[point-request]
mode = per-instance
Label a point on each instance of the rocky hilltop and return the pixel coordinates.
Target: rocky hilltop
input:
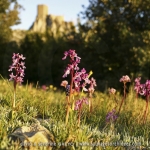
(44, 22)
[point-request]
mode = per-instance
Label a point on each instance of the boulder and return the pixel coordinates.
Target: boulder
(33, 137)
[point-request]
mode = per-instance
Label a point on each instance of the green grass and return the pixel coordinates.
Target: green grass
(34, 103)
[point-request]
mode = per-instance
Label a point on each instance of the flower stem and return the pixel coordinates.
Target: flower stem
(136, 97)
(69, 98)
(116, 101)
(68, 108)
(89, 105)
(146, 109)
(123, 98)
(90, 102)
(121, 105)
(14, 99)
(79, 116)
(71, 84)
(124, 90)
(73, 102)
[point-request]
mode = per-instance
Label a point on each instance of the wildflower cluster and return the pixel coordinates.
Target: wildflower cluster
(142, 89)
(111, 116)
(112, 91)
(137, 84)
(80, 102)
(92, 85)
(64, 83)
(80, 78)
(79, 81)
(74, 59)
(125, 79)
(18, 67)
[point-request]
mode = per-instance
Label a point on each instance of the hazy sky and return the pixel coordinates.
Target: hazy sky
(68, 8)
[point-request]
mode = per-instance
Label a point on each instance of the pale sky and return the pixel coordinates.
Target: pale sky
(67, 8)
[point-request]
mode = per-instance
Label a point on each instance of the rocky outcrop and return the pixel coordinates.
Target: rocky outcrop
(33, 137)
(44, 21)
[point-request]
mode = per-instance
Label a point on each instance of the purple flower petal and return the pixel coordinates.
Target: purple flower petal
(18, 67)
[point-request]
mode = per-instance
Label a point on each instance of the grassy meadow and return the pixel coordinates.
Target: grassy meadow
(49, 105)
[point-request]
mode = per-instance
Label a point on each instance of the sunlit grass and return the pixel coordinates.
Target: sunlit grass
(50, 105)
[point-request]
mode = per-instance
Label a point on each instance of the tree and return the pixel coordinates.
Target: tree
(31, 47)
(9, 10)
(117, 35)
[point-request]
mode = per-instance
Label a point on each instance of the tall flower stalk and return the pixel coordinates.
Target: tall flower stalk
(111, 116)
(17, 74)
(146, 110)
(78, 81)
(91, 91)
(124, 79)
(112, 92)
(78, 106)
(71, 85)
(74, 61)
(67, 87)
(144, 90)
(137, 86)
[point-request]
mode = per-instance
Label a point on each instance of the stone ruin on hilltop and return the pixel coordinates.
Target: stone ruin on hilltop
(45, 21)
